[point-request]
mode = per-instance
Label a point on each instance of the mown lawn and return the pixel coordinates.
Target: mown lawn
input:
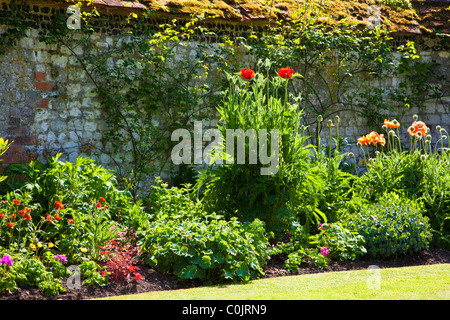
(431, 282)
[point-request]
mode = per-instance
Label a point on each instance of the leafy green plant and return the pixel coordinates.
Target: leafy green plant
(420, 172)
(4, 146)
(74, 184)
(32, 272)
(436, 196)
(196, 245)
(273, 192)
(392, 226)
(93, 274)
(149, 90)
(342, 243)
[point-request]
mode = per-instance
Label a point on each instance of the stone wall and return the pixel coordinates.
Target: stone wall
(48, 103)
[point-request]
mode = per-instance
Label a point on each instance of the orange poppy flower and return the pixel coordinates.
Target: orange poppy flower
(377, 138)
(418, 126)
(363, 140)
(373, 138)
(391, 124)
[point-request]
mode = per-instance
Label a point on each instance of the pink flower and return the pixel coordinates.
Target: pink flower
(324, 251)
(6, 260)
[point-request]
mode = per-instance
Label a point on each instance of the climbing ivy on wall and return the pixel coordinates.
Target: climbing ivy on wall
(149, 84)
(15, 25)
(345, 67)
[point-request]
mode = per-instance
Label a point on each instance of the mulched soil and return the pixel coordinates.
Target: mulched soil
(155, 281)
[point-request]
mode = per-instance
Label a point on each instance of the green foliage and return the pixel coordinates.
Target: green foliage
(393, 172)
(420, 173)
(94, 209)
(4, 146)
(337, 61)
(436, 196)
(392, 226)
(342, 243)
(32, 272)
(274, 191)
(74, 184)
(15, 28)
(93, 274)
(328, 166)
(195, 245)
(154, 86)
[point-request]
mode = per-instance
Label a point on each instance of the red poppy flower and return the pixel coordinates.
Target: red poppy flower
(286, 73)
(102, 199)
(28, 209)
(16, 202)
(247, 74)
(22, 212)
(57, 217)
(59, 205)
(13, 216)
(48, 217)
(70, 221)
(98, 204)
(2, 215)
(10, 224)
(27, 217)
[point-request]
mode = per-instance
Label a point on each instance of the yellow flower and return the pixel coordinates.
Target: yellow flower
(39, 245)
(32, 246)
(51, 245)
(84, 250)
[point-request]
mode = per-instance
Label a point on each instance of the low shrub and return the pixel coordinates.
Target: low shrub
(341, 243)
(93, 274)
(207, 248)
(392, 226)
(121, 254)
(31, 271)
(192, 244)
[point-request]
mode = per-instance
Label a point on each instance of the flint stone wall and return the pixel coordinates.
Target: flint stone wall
(48, 104)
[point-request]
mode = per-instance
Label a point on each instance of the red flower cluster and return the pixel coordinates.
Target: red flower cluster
(122, 255)
(59, 205)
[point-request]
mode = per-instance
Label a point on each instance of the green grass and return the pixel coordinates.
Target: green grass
(423, 282)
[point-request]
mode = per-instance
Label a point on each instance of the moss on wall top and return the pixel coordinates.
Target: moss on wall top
(402, 16)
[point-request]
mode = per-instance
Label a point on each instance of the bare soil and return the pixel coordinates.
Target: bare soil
(153, 280)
